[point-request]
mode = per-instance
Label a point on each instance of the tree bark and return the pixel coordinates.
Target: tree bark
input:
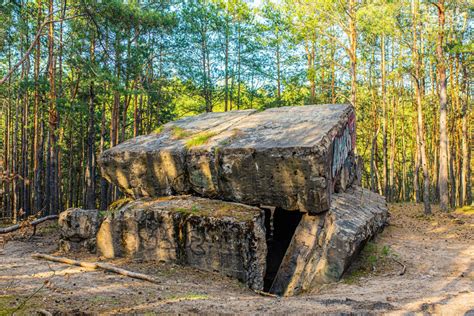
(420, 126)
(226, 66)
(384, 124)
(443, 112)
(353, 51)
(465, 173)
(90, 166)
(37, 193)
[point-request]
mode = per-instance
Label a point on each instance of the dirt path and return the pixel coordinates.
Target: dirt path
(438, 253)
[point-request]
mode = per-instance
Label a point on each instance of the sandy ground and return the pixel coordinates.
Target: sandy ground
(437, 251)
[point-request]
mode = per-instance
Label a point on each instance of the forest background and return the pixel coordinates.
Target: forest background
(80, 76)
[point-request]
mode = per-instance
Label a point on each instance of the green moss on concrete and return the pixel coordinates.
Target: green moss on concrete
(200, 139)
(118, 204)
(180, 133)
(195, 210)
(159, 130)
(216, 209)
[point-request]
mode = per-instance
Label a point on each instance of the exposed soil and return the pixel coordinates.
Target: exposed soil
(437, 253)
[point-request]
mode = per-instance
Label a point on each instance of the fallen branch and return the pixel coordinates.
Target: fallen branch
(404, 268)
(262, 293)
(12, 228)
(96, 265)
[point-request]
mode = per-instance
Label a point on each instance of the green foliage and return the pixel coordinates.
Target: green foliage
(143, 64)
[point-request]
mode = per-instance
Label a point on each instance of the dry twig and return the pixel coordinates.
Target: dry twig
(404, 268)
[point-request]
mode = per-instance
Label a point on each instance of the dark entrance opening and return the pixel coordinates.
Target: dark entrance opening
(280, 226)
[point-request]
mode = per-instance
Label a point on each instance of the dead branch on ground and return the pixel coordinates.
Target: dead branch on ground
(262, 293)
(15, 227)
(97, 265)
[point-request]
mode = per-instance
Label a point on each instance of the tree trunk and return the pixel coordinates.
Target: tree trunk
(37, 192)
(226, 67)
(443, 112)
(238, 68)
(416, 183)
(465, 173)
(384, 124)
(421, 134)
(104, 185)
(90, 166)
(353, 51)
(53, 120)
(278, 73)
(391, 189)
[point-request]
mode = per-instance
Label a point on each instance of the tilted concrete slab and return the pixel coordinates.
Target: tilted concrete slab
(323, 246)
(293, 158)
(206, 234)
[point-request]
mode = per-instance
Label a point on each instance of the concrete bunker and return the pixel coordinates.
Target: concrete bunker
(197, 184)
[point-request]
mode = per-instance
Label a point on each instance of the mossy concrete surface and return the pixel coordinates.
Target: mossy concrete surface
(293, 158)
(207, 234)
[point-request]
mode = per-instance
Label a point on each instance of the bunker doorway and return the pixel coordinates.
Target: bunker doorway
(280, 227)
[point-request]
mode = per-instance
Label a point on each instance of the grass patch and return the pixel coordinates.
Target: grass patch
(188, 297)
(373, 258)
(17, 305)
(199, 139)
(8, 305)
(355, 276)
(218, 209)
(115, 206)
(466, 210)
(180, 133)
(50, 228)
